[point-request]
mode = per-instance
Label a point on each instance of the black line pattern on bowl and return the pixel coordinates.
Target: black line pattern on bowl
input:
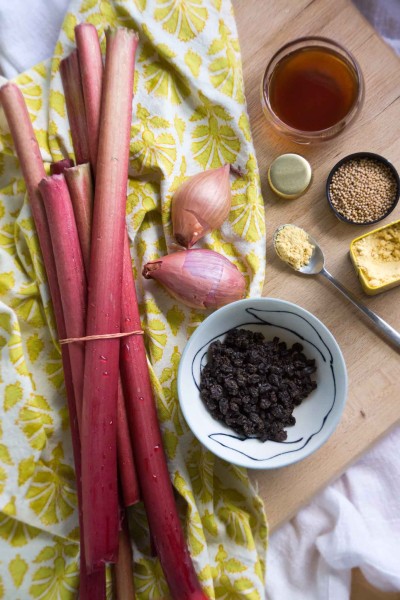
(259, 320)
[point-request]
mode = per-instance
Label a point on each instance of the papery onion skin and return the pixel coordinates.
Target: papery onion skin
(201, 204)
(199, 278)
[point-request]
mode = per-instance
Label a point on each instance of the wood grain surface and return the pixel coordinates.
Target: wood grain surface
(362, 590)
(373, 404)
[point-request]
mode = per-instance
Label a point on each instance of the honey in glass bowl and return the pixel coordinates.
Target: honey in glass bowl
(312, 89)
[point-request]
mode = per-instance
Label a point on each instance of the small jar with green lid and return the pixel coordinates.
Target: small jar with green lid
(289, 176)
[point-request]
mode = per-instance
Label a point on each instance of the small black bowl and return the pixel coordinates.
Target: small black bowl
(349, 158)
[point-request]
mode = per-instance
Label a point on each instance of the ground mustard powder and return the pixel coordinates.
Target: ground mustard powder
(293, 246)
(378, 255)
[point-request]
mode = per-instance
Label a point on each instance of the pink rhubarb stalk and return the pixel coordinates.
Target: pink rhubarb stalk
(150, 460)
(123, 570)
(91, 65)
(79, 180)
(31, 164)
(126, 465)
(71, 80)
(58, 167)
(92, 587)
(70, 272)
(99, 436)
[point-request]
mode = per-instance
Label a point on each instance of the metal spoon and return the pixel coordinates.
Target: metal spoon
(316, 266)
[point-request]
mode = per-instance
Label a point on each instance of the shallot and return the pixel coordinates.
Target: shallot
(199, 278)
(201, 204)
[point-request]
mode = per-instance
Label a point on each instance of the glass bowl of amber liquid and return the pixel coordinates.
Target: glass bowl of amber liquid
(312, 89)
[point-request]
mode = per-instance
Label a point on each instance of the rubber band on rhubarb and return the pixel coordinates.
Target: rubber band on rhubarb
(104, 336)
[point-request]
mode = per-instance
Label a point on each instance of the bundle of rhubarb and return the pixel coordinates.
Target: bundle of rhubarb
(79, 214)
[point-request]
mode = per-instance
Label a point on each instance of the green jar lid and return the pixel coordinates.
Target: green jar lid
(289, 175)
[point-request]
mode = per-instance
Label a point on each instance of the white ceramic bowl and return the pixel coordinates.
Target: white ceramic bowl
(316, 417)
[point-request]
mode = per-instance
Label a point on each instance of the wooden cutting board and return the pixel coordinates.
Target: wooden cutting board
(373, 404)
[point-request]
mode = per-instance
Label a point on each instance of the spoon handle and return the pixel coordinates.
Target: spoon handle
(387, 329)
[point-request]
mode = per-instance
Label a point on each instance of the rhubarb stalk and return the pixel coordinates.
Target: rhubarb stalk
(126, 465)
(79, 180)
(31, 164)
(124, 585)
(91, 66)
(99, 436)
(70, 272)
(150, 460)
(58, 167)
(92, 587)
(71, 80)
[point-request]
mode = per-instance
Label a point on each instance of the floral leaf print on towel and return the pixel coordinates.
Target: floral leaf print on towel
(215, 143)
(150, 147)
(52, 494)
(184, 18)
(58, 575)
(36, 421)
(225, 72)
(161, 80)
(247, 212)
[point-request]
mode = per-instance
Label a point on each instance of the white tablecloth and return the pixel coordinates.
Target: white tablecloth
(355, 522)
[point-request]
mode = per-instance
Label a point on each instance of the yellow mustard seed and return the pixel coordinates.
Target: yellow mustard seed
(363, 190)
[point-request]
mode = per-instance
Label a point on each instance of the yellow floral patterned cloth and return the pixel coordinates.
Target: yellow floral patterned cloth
(189, 115)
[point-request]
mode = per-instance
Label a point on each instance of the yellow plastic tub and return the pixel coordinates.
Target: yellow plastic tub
(381, 248)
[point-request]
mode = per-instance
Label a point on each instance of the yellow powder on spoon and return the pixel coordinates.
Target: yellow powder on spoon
(293, 246)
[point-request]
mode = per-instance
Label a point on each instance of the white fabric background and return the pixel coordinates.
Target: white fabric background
(355, 522)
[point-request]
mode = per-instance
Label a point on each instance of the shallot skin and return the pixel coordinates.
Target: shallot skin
(199, 278)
